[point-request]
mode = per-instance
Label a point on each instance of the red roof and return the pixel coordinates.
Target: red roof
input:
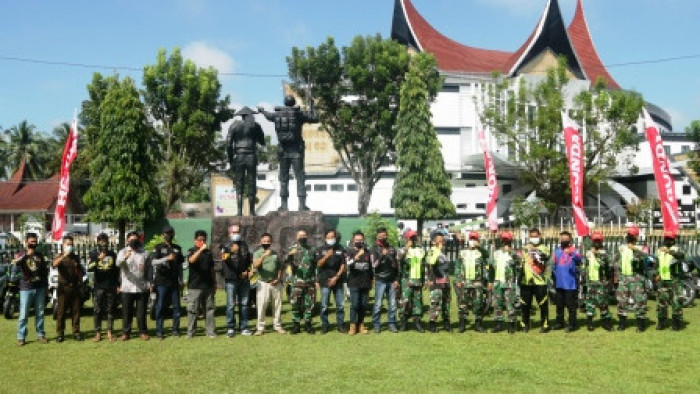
(17, 194)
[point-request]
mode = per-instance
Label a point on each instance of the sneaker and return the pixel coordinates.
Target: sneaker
(144, 337)
(246, 333)
(60, 338)
(280, 330)
(21, 342)
(78, 337)
(392, 328)
(211, 335)
(42, 340)
(230, 333)
(176, 334)
(259, 333)
(160, 337)
(189, 336)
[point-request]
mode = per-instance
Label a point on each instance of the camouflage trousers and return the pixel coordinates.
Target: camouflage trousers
(597, 298)
(440, 298)
(411, 300)
(631, 296)
(670, 293)
(302, 300)
(504, 301)
(470, 296)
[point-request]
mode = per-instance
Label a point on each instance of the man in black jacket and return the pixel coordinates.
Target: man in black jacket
(330, 262)
(30, 271)
(70, 277)
(167, 262)
(386, 280)
(201, 285)
(102, 261)
(236, 258)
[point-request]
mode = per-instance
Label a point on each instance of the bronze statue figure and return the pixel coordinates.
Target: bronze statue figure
(241, 147)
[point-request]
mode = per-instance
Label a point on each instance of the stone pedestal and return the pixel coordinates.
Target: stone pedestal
(283, 227)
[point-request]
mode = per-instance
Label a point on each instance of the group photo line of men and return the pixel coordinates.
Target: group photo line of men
(507, 280)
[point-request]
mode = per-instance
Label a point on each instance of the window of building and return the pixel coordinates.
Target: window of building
(686, 190)
(507, 188)
(337, 188)
(352, 187)
(667, 149)
(685, 148)
(308, 188)
(262, 177)
(462, 206)
(480, 206)
(450, 88)
(320, 188)
(470, 185)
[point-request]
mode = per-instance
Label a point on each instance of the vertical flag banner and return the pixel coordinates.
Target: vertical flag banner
(575, 155)
(491, 180)
(70, 151)
(662, 173)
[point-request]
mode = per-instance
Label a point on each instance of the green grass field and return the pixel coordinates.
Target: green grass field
(655, 361)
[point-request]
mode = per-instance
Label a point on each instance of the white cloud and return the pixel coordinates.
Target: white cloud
(205, 55)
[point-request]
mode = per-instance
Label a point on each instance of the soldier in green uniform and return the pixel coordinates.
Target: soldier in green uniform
(412, 261)
(506, 266)
(631, 296)
(439, 284)
(669, 259)
(472, 273)
(598, 271)
(301, 260)
(533, 282)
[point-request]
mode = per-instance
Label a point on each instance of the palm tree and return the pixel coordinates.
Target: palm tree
(3, 158)
(28, 144)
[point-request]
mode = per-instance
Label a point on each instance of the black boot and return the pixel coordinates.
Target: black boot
(662, 323)
(589, 323)
(309, 329)
(462, 324)
(324, 329)
(446, 325)
(417, 324)
(677, 323)
(239, 203)
(432, 327)
(607, 324)
(283, 205)
(302, 204)
(296, 329)
(511, 327)
(251, 205)
(525, 325)
(498, 327)
(573, 326)
(559, 325)
(403, 323)
(641, 324)
(622, 324)
(478, 327)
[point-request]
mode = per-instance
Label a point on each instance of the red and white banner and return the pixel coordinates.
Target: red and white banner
(491, 181)
(662, 173)
(70, 151)
(575, 154)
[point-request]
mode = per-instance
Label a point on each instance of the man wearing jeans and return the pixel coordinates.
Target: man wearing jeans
(359, 268)
(167, 264)
(135, 267)
(201, 285)
(330, 262)
(236, 264)
(31, 271)
(386, 280)
(269, 268)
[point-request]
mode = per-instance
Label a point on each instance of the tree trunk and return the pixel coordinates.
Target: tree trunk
(364, 196)
(419, 229)
(121, 227)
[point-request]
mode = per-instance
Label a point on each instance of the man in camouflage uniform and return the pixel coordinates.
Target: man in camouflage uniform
(439, 284)
(412, 261)
(472, 273)
(533, 282)
(301, 260)
(506, 266)
(669, 259)
(597, 270)
(631, 282)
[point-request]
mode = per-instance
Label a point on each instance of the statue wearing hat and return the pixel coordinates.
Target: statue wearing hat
(241, 147)
(289, 121)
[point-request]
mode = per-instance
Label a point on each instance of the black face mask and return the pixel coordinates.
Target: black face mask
(669, 242)
(382, 241)
(168, 238)
(303, 241)
(631, 239)
(101, 247)
(265, 246)
(598, 245)
(134, 244)
(31, 246)
(359, 244)
(565, 244)
(506, 243)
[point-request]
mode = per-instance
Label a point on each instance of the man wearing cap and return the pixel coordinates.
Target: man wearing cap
(473, 272)
(236, 258)
(103, 263)
(669, 259)
(533, 282)
(412, 259)
(567, 261)
(598, 271)
(167, 265)
(241, 147)
(631, 282)
(439, 284)
(506, 265)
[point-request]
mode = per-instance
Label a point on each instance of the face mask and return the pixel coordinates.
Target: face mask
(168, 238)
(235, 237)
(631, 239)
(303, 241)
(506, 243)
(359, 244)
(31, 246)
(472, 243)
(669, 242)
(535, 241)
(330, 242)
(68, 249)
(598, 245)
(265, 246)
(565, 244)
(134, 244)
(382, 241)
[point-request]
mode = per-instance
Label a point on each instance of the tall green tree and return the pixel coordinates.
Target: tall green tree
(4, 152)
(422, 189)
(357, 95)
(24, 142)
(185, 108)
(526, 118)
(693, 132)
(123, 188)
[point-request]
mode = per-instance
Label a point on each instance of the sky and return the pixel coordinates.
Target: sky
(251, 39)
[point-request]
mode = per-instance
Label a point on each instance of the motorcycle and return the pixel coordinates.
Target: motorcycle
(690, 280)
(10, 295)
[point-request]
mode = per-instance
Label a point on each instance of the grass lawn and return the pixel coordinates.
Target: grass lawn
(655, 361)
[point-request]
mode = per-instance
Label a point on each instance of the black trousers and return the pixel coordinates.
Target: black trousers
(68, 297)
(128, 301)
(104, 302)
(297, 164)
(568, 299)
(246, 174)
(539, 292)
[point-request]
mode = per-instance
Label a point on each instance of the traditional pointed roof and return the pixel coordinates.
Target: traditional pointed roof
(19, 195)
(574, 42)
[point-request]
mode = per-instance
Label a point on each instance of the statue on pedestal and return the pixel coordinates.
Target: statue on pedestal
(241, 147)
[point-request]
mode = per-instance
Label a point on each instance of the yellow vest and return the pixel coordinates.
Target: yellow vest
(415, 262)
(665, 260)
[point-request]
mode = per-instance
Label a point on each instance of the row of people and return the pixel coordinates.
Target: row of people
(399, 276)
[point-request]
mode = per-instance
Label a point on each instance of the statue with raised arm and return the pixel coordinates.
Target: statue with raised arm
(289, 121)
(241, 147)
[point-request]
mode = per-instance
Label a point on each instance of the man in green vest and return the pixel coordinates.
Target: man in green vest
(533, 282)
(597, 270)
(506, 265)
(631, 296)
(439, 284)
(472, 273)
(412, 260)
(669, 257)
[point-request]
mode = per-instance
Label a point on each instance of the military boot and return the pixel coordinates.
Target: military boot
(677, 323)
(589, 323)
(309, 329)
(622, 324)
(462, 324)
(498, 327)
(525, 326)
(662, 323)
(446, 325)
(239, 202)
(402, 325)
(607, 324)
(353, 329)
(283, 205)
(251, 205)
(296, 329)
(641, 324)
(431, 326)
(511, 327)
(417, 324)
(478, 327)
(302, 204)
